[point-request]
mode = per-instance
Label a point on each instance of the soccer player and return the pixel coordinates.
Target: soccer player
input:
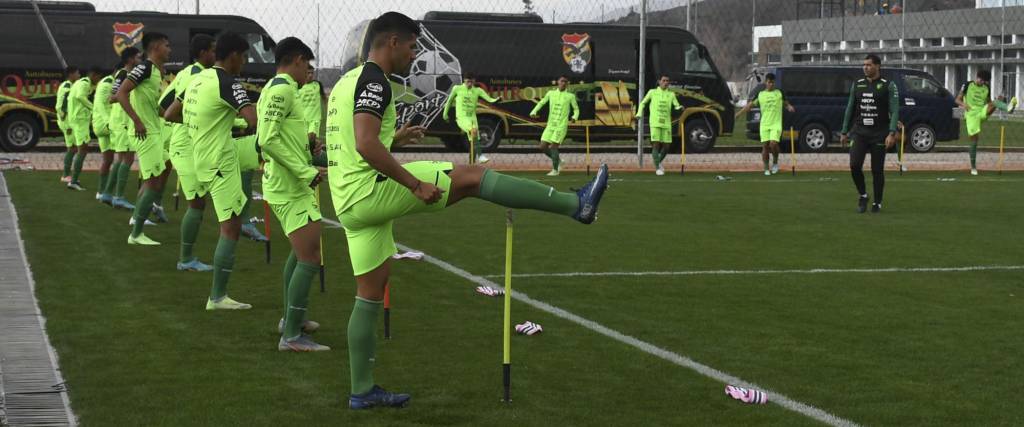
(370, 189)
(771, 100)
(874, 111)
(201, 49)
(101, 127)
(561, 101)
(71, 74)
(289, 182)
(311, 95)
(465, 97)
(119, 135)
(79, 120)
(248, 164)
(208, 107)
(662, 101)
(975, 98)
(139, 96)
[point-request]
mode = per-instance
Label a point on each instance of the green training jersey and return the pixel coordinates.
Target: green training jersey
(209, 107)
(465, 100)
(79, 105)
(363, 90)
(662, 102)
(101, 102)
(558, 111)
(281, 132)
(147, 77)
(117, 115)
(178, 135)
(61, 107)
(311, 98)
(771, 103)
(975, 95)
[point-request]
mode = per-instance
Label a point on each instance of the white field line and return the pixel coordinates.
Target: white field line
(757, 272)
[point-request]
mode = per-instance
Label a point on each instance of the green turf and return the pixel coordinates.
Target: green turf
(876, 348)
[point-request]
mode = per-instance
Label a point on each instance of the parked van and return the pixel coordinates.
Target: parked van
(820, 95)
(30, 70)
(519, 57)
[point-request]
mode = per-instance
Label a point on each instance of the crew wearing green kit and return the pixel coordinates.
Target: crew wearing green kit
(771, 100)
(562, 105)
(975, 98)
(662, 101)
(71, 74)
(79, 120)
(119, 135)
(101, 127)
(465, 98)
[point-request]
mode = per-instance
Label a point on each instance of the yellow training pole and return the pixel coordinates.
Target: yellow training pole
(588, 151)
(1002, 141)
(682, 147)
(322, 275)
(472, 148)
(507, 351)
(792, 148)
(903, 138)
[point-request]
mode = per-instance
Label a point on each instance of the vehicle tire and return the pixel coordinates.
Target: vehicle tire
(19, 132)
(921, 138)
(491, 132)
(700, 135)
(814, 138)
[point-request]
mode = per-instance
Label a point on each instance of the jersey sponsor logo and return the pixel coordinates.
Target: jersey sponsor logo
(374, 87)
(363, 102)
(239, 93)
(373, 96)
(126, 34)
(576, 51)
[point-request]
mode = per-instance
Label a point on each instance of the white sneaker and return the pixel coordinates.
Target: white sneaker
(974, 172)
(554, 172)
(131, 221)
(482, 159)
(775, 169)
(767, 172)
(659, 171)
(98, 196)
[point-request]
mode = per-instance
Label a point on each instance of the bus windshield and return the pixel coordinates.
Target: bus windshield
(261, 48)
(694, 61)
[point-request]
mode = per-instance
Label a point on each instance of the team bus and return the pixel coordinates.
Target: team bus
(519, 57)
(30, 70)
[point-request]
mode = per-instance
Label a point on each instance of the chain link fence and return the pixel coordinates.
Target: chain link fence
(523, 46)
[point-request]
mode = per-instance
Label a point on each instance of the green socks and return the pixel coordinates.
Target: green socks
(223, 262)
(189, 231)
(656, 156)
(362, 343)
(69, 156)
(555, 158)
(513, 192)
(77, 171)
(974, 155)
(122, 179)
(247, 190)
(115, 168)
(103, 183)
(142, 210)
(298, 298)
(289, 269)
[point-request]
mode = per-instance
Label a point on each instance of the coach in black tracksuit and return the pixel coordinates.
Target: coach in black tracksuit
(874, 112)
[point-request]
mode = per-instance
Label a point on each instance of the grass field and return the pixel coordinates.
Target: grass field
(898, 347)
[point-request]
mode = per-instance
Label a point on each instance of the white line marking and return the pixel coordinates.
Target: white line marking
(777, 398)
(806, 271)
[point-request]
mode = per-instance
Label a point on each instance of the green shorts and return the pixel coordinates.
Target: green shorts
(663, 135)
(296, 213)
(368, 222)
(466, 123)
(151, 154)
(248, 158)
(771, 134)
(102, 132)
(80, 134)
(184, 166)
(974, 119)
(554, 135)
(227, 195)
(119, 139)
(69, 136)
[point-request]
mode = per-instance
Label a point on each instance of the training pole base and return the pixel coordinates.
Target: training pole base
(387, 323)
(506, 374)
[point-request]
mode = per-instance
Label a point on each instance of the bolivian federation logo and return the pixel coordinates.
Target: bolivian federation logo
(576, 51)
(126, 34)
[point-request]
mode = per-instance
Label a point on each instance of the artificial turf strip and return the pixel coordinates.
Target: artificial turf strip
(137, 347)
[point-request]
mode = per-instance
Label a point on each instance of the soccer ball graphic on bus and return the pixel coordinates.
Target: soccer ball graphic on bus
(432, 75)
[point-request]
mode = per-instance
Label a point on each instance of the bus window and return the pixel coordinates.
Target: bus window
(261, 48)
(694, 60)
(351, 49)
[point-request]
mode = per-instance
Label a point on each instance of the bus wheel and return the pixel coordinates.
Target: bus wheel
(922, 138)
(19, 132)
(490, 132)
(700, 135)
(814, 138)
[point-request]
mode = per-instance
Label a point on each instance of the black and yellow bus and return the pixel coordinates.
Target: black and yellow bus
(519, 57)
(30, 70)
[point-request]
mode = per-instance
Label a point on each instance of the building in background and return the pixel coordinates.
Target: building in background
(952, 45)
